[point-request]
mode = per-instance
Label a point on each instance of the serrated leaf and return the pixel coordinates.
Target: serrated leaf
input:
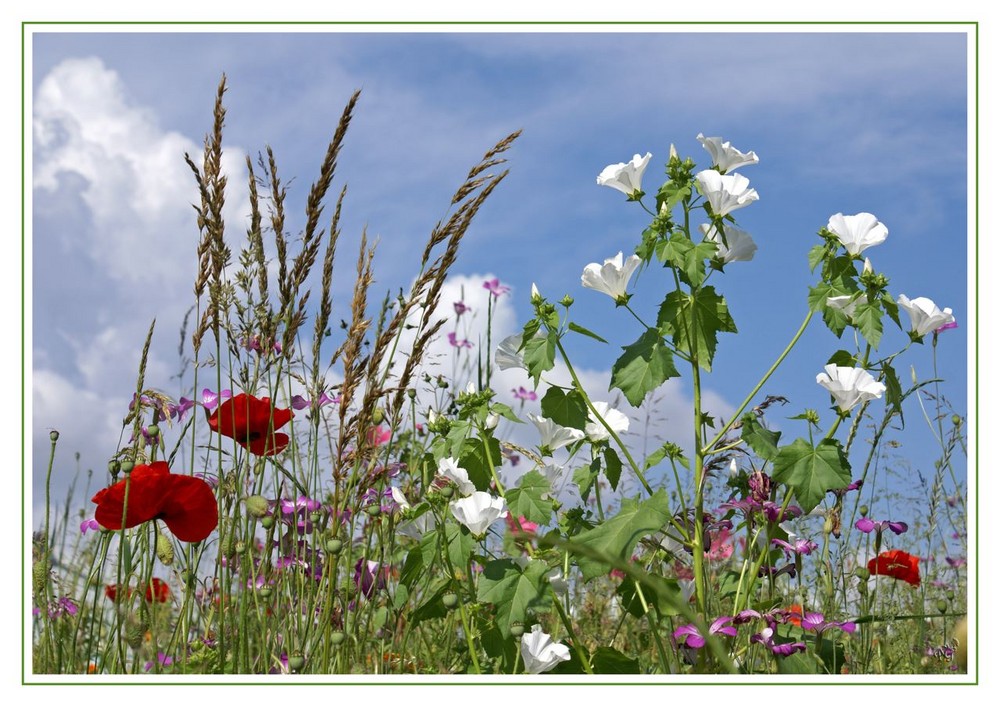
(618, 536)
(474, 459)
(566, 409)
(811, 471)
(761, 440)
(893, 390)
(644, 367)
(531, 498)
(843, 358)
(707, 310)
(512, 590)
(671, 194)
(612, 467)
(539, 354)
(816, 255)
(687, 257)
(573, 326)
(585, 477)
(459, 545)
(891, 308)
(868, 319)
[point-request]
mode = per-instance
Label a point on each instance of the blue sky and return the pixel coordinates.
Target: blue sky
(842, 122)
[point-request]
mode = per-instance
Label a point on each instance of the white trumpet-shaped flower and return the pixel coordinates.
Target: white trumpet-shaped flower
(739, 246)
(857, 232)
(626, 177)
(724, 155)
(725, 192)
(540, 652)
(925, 316)
(612, 277)
(849, 386)
(478, 511)
(554, 436)
(507, 355)
(617, 421)
(449, 468)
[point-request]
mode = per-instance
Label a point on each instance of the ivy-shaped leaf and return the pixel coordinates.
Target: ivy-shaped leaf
(891, 308)
(811, 471)
(843, 358)
(868, 320)
(761, 440)
(708, 310)
(539, 353)
(644, 366)
(566, 409)
(531, 498)
(513, 590)
(617, 536)
(687, 257)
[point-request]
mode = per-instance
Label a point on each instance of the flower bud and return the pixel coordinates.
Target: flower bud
(153, 431)
(491, 421)
(315, 516)
(378, 416)
(334, 545)
(942, 605)
(450, 600)
(114, 467)
(536, 296)
(411, 392)
(956, 420)
(337, 637)
(296, 662)
(256, 506)
(127, 466)
(566, 301)
(447, 491)
(862, 573)
(164, 549)
(863, 511)
(266, 591)
(517, 629)
(54, 436)
(267, 522)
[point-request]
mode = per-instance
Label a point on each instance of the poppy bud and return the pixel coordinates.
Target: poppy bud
(337, 637)
(862, 573)
(411, 392)
(256, 506)
(863, 511)
(450, 601)
(315, 516)
(153, 430)
(114, 467)
(54, 435)
(164, 549)
(517, 629)
(378, 416)
(334, 545)
(296, 662)
(267, 522)
(942, 605)
(127, 466)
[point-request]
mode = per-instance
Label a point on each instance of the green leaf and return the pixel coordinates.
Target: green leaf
(617, 536)
(459, 544)
(644, 366)
(413, 567)
(761, 440)
(573, 326)
(893, 390)
(539, 354)
(612, 467)
(843, 358)
(811, 471)
(609, 661)
(531, 498)
(891, 308)
(513, 590)
(710, 315)
(586, 476)
(433, 607)
(671, 194)
(631, 602)
(868, 320)
(687, 257)
(816, 255)
(566, 409)
(667, 449)
(504, 411)
(475, 460)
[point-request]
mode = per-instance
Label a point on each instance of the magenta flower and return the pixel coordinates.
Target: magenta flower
(162, 658)
(181, 408)
(495, 288)
(368, 577)
(210, 399)
(800, 546)
(813, 621)
(461, 308)
(463, 344)
(956, 562)
(692, 637)
(300, 403)
(89, 524)
(766, 639)
(867, 525)
(523, 394)
(379, 435)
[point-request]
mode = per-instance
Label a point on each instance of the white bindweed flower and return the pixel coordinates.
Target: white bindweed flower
(724, 155)
(561, 482)
(417, 527)
(739, 246)
(846, 303)
(554, 436)
(925, 316)
(612, 277)
(849, 386)
(478, 511)
(540, 653)
(399, 498)
(507, 356)
(449, 468)
(857, 232)
(725, 192)
(626, 177)
(556, 579)
(616, 420)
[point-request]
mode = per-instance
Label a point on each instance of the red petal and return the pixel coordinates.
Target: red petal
(158, 590)
(145, 489)
(265, 448)
(189, 508)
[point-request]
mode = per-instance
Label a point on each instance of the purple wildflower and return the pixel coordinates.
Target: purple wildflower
(955, 562)
(463, 344)
(461, 308)
(692, 637)
(760, 487)
(368, 577)
(210, 398)
(523, 394)
(89, 524)
(867, 525)
(495, 288)
(180, 409)
(766, 639)
(814, 621)
(853, 486)
(800, 546)
(162, 658)
(300, 403)
(775, 572)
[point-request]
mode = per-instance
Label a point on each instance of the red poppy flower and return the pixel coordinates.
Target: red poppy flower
(158, 590)
(251, 422)
(185, 503)
(111, 591)
(793, 614)
(898, 565)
